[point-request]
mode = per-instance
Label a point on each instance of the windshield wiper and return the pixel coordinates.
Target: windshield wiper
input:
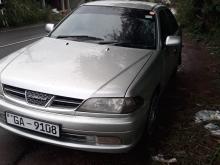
(86, 37)
(107, 42)
(125, 44)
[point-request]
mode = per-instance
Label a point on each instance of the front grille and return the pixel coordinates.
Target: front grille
(2, 116)
(14, 92)
(77, 138)
(37, 98)
(41, 99)
(60, 101)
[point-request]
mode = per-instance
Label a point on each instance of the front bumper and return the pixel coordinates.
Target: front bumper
(79, 132)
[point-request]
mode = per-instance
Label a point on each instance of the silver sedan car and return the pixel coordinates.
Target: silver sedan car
(94, 81)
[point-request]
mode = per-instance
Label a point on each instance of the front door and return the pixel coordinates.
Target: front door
(169, 53)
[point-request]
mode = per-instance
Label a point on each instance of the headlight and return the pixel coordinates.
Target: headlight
(111, 105)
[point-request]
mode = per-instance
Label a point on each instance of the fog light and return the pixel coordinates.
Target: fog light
(108, 140)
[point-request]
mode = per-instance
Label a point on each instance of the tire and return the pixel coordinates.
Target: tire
(179, 63)
(180, 58)
(174, 72)
(146, 140)
(152, 115)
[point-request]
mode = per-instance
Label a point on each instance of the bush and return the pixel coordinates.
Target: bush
(201, 19)
(198, 16)
(25, 12)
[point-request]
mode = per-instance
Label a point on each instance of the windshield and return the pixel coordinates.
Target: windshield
(110, 25)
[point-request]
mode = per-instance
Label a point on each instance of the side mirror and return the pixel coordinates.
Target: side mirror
(49, 27)
(173, 41)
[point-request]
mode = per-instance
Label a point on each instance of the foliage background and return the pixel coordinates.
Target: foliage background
(23, 12)
(201, 18)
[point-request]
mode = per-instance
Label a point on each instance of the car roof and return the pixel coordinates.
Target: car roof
(124, 3)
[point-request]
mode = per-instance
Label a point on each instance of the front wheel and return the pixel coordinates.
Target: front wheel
(152, 114)
(146, 139)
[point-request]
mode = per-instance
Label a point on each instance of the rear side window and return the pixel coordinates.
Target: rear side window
(168, 24)
(173, 26)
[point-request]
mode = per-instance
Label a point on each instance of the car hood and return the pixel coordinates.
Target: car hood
(75, 69)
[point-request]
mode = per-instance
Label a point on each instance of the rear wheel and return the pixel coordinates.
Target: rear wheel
(179, 63)
(174, 72)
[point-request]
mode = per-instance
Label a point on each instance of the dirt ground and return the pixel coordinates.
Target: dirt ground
(196, 87)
